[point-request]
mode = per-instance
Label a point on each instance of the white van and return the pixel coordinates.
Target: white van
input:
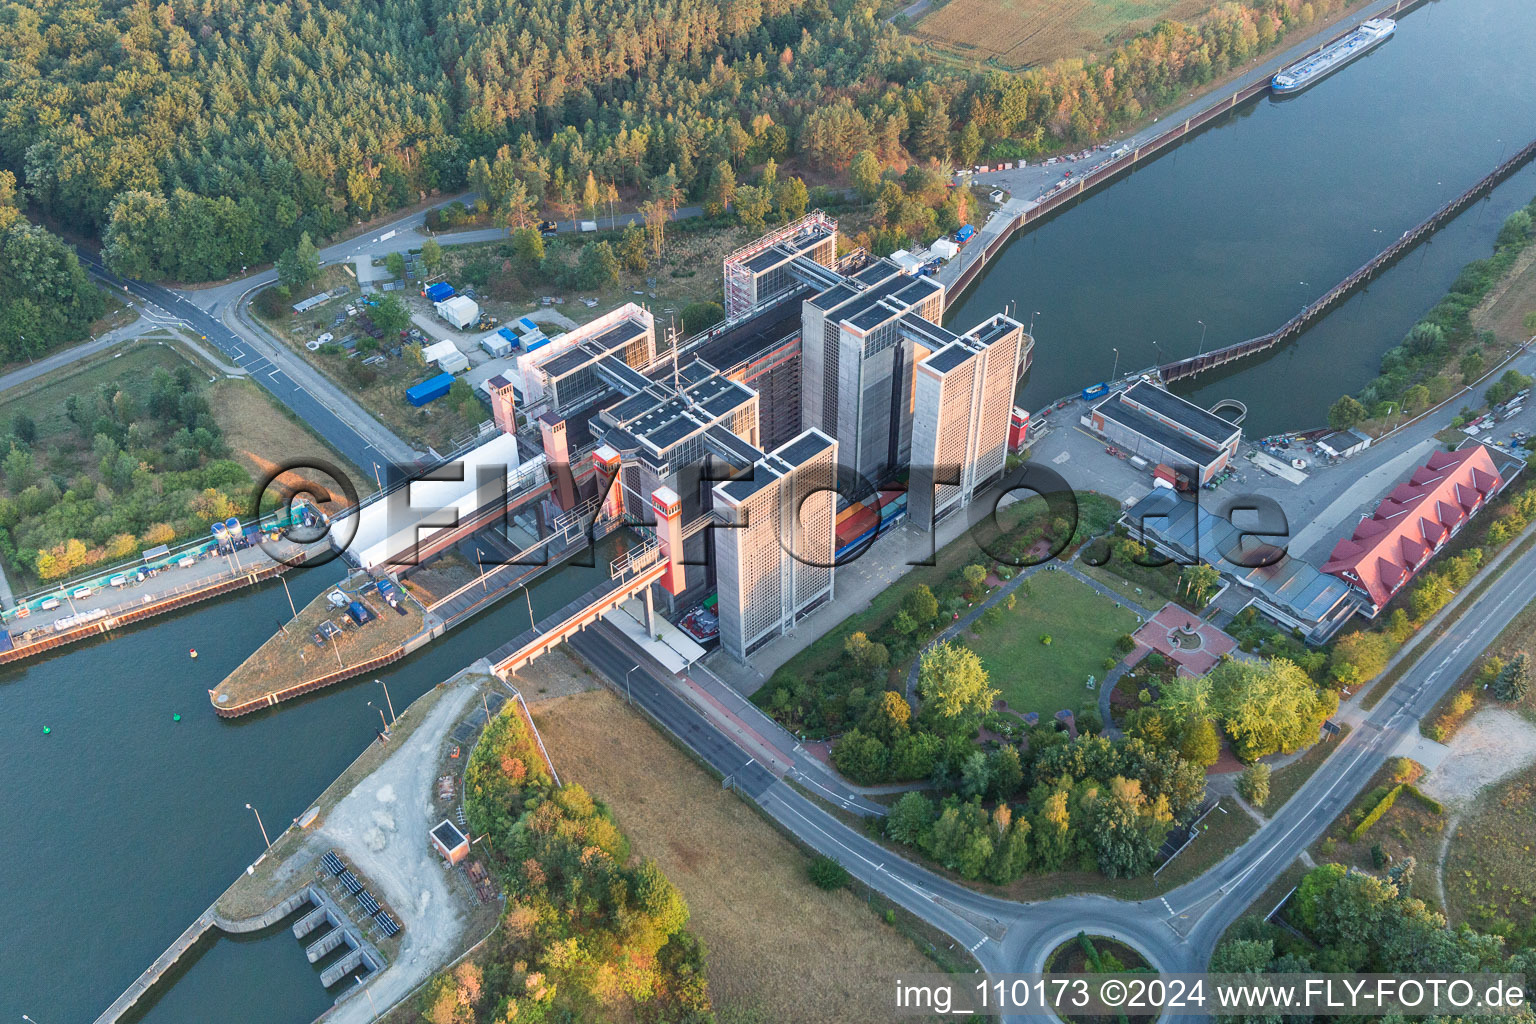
(82, 593)
(49, 605)
(118, 581)
(186, 561)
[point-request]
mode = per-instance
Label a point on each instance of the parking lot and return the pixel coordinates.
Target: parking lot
(1322, 502)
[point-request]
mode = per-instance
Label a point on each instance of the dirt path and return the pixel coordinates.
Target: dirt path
(381, 826)
(1493, 745)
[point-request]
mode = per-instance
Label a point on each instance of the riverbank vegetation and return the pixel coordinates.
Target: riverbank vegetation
(588, 931)
(106, 458)
(307, 119)
(1445, 351)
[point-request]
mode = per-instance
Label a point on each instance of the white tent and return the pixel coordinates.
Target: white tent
(944, 249)
(437, 351)
(461, 311)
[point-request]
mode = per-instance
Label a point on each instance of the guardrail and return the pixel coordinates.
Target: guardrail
(1182, 368)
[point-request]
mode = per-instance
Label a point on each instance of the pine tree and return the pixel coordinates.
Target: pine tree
(1514, 681)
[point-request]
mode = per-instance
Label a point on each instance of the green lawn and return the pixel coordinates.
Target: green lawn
(1083, 626)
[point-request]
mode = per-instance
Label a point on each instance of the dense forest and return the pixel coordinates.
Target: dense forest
(46, 299)
(201, 137)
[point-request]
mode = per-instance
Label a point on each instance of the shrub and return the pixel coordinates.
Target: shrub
(828, 874)
(1253, 784)
(1376, 813)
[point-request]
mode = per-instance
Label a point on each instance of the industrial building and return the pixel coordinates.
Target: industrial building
(963, 415)
(724, 450)
(1154, 424)
(774, 557)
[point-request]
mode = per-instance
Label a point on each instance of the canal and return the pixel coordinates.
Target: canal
(1257, 215)
(122, 824)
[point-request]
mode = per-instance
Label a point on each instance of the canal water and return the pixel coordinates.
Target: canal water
(1259, 214)
(122, 825)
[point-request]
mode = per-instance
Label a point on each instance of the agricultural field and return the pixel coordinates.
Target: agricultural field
(779, 948)
(1016, 34)
(1083, 626)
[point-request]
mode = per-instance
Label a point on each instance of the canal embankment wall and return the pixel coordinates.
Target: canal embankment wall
(205, 922)
(1019, 214)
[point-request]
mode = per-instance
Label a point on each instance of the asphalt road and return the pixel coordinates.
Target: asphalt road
(1177, 931)
(157, 300)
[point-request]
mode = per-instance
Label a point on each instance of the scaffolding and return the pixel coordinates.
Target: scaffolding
(740, 294)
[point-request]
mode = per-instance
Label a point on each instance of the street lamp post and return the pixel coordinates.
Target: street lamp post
(387, 700)
(627, 694)
(371, 1007)
(1202, 336)
(382, 720)
(1032, 322)
(260, 825)
(1117, 364)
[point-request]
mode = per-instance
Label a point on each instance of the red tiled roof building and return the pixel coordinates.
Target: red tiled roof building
(1414, 521)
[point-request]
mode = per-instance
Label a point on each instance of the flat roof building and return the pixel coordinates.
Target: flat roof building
(449, 842)
(858, 368)
(1289, 590)
(962, 412)
(774, 556)
(1159, 426)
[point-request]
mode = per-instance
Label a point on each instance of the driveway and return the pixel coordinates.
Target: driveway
(381, 827)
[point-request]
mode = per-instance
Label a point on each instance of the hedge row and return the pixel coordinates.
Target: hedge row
(1380, 809)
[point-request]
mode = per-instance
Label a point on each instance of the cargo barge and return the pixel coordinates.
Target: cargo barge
(1335, 55)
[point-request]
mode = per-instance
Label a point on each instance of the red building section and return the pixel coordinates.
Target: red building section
(1414, 521)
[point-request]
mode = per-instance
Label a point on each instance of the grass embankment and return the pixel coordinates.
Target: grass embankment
(1490, 876)
(1083, 626)
(292, 656)
(778, 946)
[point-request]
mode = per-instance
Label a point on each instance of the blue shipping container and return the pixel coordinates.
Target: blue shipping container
(359, 614)
(532, 343)
(965, 232)
(1098, 390)
(440, 291)
(427, 390)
